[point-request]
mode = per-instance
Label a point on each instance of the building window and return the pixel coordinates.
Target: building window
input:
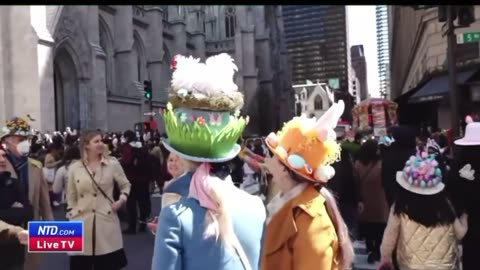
(139, 68)
(230, 22)
(317, 104)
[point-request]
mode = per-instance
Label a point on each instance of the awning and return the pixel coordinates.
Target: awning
(438, 87)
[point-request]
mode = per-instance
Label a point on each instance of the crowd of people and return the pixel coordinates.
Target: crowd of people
(413, 199)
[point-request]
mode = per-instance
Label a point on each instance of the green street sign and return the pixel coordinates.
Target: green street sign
(334, 83)
(468, 37)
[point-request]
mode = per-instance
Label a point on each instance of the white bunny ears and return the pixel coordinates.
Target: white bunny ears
(214, 77)
(328, 121)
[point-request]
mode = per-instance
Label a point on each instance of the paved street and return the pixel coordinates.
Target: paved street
(139, 247)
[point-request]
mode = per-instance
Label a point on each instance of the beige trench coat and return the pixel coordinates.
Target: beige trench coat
(40, 200)
(102, 232)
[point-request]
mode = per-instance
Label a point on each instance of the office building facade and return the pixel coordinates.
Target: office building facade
(383, 50)
(359, 64)
(317, 44)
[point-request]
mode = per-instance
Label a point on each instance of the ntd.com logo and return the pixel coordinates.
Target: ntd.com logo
(55, 236)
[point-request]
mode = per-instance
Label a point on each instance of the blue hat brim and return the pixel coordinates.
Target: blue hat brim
(231, 155)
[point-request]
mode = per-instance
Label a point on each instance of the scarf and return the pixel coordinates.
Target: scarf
(281, 199)
(20, 165)
(200, 187)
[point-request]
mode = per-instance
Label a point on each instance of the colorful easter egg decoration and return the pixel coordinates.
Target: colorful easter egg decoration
(295, 161)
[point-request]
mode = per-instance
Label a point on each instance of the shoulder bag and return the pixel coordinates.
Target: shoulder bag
(96, 184)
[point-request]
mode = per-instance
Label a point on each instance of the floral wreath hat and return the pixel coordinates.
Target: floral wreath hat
(202, 118)
(308, 146)
(421, 175)
(17, 127)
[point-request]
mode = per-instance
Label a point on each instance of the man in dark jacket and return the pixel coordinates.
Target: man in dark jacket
(138, 169)
(15, 209)
(393, 159)
(345, 188)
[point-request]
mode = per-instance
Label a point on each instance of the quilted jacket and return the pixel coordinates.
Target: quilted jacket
(424, 248)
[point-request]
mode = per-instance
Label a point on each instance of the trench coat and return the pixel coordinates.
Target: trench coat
(40, 200)
(301, 235)
(102, 232)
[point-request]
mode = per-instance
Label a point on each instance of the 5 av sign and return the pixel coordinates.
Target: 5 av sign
(468, 37)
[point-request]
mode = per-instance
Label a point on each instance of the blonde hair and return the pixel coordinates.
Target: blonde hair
(346, 253)
(86, 137)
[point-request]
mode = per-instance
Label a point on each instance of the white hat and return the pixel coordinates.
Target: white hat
(472, 134)
(421, 175)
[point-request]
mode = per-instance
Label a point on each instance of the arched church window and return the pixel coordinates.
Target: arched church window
(106, 45)
(317, 103)
(230, 22)
(139, 59)
(139, 67)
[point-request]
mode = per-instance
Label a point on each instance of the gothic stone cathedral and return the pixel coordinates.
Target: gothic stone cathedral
(84, 66)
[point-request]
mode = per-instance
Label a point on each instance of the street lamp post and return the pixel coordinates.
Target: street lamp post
(452, 71)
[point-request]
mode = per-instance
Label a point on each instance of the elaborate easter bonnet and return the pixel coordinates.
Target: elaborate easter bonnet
(308, 146)
(16, 127)
(421, 175)
(472, 134)
(202, 119)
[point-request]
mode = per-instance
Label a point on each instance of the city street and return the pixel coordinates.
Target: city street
(139, 247)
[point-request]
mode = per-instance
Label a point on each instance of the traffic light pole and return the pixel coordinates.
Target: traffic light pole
(452, 72)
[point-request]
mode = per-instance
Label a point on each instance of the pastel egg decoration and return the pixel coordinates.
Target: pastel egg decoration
(423, 184)
(281, 152)
(410, 180)
(297, 162)
(324, 173)
(438, 172)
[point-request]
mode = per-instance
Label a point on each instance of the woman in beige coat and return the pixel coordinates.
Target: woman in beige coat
(90, 199)
(373, 205)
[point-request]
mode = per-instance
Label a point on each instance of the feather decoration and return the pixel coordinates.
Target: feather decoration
(214, 77)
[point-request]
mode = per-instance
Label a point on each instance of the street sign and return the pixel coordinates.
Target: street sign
(150, 113)
(468, 37)
(334, 83)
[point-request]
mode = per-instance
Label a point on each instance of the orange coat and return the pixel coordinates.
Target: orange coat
(301, 236)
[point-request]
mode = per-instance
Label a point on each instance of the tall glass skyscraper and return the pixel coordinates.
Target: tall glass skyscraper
(383, 50)
(317, 43)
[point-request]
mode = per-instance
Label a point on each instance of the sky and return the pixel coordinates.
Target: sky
(362, 30)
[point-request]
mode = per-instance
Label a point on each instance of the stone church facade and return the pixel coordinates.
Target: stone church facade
(84, 66)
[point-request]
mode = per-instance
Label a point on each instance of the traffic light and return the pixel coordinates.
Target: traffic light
(442, 13)
(147, 88)
(466, 15)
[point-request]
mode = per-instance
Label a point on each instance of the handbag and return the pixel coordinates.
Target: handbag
(49, 174)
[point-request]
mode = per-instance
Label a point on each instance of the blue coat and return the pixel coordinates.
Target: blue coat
(181, 186)
(180, 242)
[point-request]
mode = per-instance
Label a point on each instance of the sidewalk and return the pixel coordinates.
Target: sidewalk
(360, 262)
